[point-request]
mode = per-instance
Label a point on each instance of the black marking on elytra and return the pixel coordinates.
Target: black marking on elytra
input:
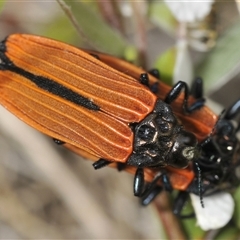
(45, 83)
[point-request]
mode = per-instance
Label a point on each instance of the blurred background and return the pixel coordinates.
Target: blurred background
(47, 191)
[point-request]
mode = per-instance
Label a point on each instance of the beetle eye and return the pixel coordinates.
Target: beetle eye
(146, 132)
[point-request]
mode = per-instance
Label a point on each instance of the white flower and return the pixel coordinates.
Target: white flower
(217, 212)
(189, 11)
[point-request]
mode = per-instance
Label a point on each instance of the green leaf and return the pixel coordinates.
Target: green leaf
(165, 64)
(95, 29)
(236, 216)
(192, 230)
(130, 54)
(223, 62)
(2, 2)
(189, 224)
(229, 233)
(161, 16)
(57, 30)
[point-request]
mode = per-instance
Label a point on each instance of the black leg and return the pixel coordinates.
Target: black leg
(179, 203)
(154, 87)
(138, 184)
(175, 92)
(146, 199)
(232, 111)
(121, 166)
(155, 72)
(58, 142)
(196, 92)
(144, 79)
(95, 55)
(101, 163)
(197, 88)
(152, 189)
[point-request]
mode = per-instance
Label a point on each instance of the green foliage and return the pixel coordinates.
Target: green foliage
(57, 30)
(97, 32)
(229, 233)
(161, 16)
(223, 61)
(189, 224)
(165, 63)
(2, 3)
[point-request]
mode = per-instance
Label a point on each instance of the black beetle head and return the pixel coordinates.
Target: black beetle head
(185, 149)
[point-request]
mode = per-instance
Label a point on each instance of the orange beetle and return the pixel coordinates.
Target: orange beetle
(95, 107)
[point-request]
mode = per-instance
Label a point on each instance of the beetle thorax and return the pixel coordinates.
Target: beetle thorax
(160, 140)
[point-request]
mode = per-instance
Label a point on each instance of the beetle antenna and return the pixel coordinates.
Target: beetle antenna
(199, 178)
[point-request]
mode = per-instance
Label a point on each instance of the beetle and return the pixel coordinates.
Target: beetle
(92, 107)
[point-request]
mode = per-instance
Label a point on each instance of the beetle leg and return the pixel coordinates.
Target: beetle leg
(154, 87)
(150, 196)
(179, 203)
(152, 190)
(138, 184)
(154, 72)
(226, 127)
(174, 93)
(121, 166)
(58, 142)
(144, 79)
(197, 88)
(95, 55)
(101, 163)
(233, 111)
